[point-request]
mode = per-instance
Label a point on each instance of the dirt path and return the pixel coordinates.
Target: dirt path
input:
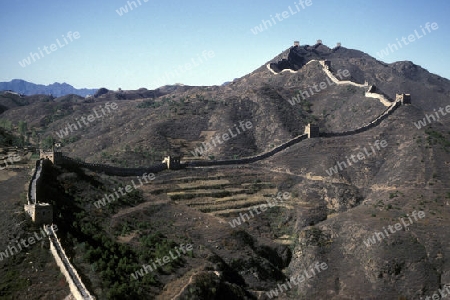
(138, 208)
(184, 287)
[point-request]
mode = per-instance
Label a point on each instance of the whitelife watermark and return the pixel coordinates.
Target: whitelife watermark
(188, 66)
(31, 241)
(297, 279)
(423, 122)
(108, 198)
(9, 161)
(53, 47)
(124, 9)
(90, 118)
(206, 147)
(263, 207)
(165, 260)
(380, 236)
(411, 38)
(436, 296)
(323, 85)
(360, 156)
(266, 24)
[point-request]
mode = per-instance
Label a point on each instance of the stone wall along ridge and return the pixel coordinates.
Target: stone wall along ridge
(76, 286)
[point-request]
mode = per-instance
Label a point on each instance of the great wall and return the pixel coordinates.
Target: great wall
(110, 170)
(313, 131)
(76, 286)
(42, 213)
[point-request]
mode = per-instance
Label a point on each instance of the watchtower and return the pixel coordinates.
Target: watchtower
(40, 213)
(173, 162)
(296, 43)
(319, 42)
(338, 45)
(54, 154)
(403, 98)
(312, 130)
(326, 64)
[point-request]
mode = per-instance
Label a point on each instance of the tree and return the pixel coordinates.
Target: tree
(23, 127)
(6, 124)
(47, 142)
(34, 136)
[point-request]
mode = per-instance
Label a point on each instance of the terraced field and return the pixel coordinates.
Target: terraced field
(222, 192)
(218, 191)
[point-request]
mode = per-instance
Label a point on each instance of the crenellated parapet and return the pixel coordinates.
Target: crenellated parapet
(111, 170)
(76, 285)
(40, 212)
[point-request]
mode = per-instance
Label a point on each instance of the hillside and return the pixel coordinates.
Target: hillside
(327, 218)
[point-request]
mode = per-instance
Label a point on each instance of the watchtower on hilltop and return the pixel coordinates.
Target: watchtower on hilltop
(338, 45)
(296, 43)
(403, 98)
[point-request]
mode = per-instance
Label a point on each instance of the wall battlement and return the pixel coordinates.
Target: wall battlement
(40, 212)
(113, 171)
(366, 127)
(77, 288)
(251, 159)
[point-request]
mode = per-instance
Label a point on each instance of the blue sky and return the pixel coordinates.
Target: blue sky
(137, 49)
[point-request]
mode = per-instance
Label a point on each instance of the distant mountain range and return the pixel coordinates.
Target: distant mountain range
(56, 89)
